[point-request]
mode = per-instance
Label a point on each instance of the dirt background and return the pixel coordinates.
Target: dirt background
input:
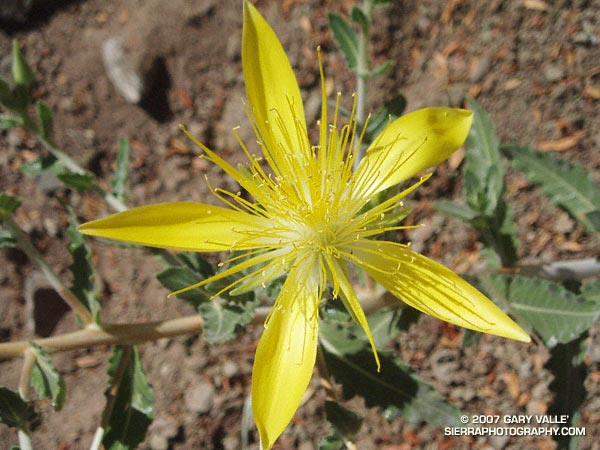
(533, 64)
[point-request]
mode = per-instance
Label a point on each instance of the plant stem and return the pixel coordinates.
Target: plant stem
(362, 70)
(28, 363)
(135, 333)
(25, 244)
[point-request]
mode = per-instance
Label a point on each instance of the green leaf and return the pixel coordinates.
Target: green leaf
(7, 121)
(346, 423)
(557, 315)
(358, 16)
(6, 239)
(456, 210)
(14, 411)
(396, 389)
(346, 38)
(224, 321)
(591, 291)
(21, 72)
(223, 317)
(84, 273)
(8, 204)
(45, 379)
(593, 218)
(333, 442)
(43, 164)
(382, 68)
(45, 120)
(484, 167)
(5, 93)
(176, 278)
(566, 184)
(378, 3)
(130, 401)
(119, 182)
(569, 372)
(78, 181)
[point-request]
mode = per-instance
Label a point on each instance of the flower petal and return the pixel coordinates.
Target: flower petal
(271, 86)
(182, 226)
(433, 288)
(285, 358)
(411, 144)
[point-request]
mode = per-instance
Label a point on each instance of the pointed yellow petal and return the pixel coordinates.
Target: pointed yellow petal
(354, 308)
(411, 144)
(271, 86)
(182, 226)
(284, 359)
(433, 288)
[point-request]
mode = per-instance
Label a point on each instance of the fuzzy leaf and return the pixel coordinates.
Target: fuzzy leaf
(78, 181)
(46, 121)
(556, 314)
(5, 93)
(456, 210)
(346, 38)
(382, 68)
(45, 379)
(84, 273)
(8, 204)
(6, 239)
(21, 72)
(358, 16)
(130, 400)
(43, 164)
(119, 182)
(14, 411)
(566, 184)
(224, 317)
(8, 121)
(333, 441)
(396, 389)
(484, 166)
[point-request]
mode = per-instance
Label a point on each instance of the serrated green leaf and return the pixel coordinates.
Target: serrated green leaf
(14, 411)
(45, 379)
(346, 38)
(456, 210)
(119, 182)
(21, 72)
(484, 168)
(557, 315)
(84, 273)
(344, 421)
(130, 401)
(566, 184)
(176, 278)
(45, 119)
(396, 389)
(8, 204)
(223, 321)
(8, 121)
(78, 181)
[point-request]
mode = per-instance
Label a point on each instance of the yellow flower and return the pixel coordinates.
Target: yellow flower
(309, 220)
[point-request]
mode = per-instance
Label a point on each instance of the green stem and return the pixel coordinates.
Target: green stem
(362, 70)
(27, 247)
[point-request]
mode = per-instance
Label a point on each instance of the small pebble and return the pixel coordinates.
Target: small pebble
(200, 398)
